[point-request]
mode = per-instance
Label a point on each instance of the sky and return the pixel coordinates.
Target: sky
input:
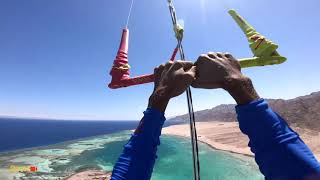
(55, 55)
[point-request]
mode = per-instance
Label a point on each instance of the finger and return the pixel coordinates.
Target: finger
(218, 57)
(190, 75)
(157, 74)
(186, 65)
(233, 60)
(202, 59)
(229, 56)
(213, 55)
(198, 84)
(158, 70)
(168, 65)
(221, 55)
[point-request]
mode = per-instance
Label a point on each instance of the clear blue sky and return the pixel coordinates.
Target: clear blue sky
(55, 55)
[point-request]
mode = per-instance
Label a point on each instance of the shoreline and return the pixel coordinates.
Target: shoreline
(90, 174)
(223, 136)
(217, 147)
(226, 136)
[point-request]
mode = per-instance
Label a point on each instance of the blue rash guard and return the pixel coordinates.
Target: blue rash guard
(279, 151)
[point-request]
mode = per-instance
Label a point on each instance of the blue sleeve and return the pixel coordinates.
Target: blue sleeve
(138, 157)
(279, 151)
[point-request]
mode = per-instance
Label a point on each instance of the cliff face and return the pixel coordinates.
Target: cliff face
(303, 111)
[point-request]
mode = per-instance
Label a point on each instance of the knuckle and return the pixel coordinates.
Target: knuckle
(220, 55)
(162, 66)
(228, 55)
(168, 64)
(159, 68)
(203, 57)
(177, 64)
(215, 55)
(211, 54)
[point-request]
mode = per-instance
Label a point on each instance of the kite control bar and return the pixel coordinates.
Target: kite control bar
(264, 51)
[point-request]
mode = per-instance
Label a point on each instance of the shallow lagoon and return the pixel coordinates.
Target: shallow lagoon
(100, 152)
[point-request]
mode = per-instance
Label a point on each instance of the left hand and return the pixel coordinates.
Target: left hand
(171, 80)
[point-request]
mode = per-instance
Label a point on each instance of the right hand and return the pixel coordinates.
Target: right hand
(216, 70)
(222, 70)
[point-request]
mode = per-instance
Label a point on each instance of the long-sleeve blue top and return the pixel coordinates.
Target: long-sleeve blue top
(138, 157)
(279, 151)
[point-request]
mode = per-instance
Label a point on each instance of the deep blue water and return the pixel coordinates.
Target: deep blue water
(26, 133)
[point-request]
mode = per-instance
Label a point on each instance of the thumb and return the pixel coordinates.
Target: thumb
(190, 75)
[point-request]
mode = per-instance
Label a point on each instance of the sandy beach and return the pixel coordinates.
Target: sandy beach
(90, 175)
(227, 136)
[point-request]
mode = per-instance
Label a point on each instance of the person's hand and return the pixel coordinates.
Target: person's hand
(171, 80)
(215, 70)
(222, 70)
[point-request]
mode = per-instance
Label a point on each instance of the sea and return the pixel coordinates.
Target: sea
(60, 148)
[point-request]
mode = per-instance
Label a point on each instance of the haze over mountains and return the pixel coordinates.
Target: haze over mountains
(302, 112)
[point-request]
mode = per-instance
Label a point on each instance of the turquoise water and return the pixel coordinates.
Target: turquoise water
(175, 163)
(174, 159)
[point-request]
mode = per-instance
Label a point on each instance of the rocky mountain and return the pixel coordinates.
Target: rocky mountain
(303, 111)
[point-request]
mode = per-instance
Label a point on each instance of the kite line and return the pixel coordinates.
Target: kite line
(178, 29)
(129, 14)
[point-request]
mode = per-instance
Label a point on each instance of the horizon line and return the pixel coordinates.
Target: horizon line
(102, 119)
